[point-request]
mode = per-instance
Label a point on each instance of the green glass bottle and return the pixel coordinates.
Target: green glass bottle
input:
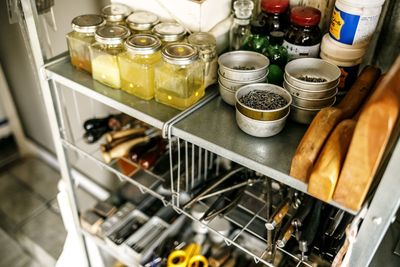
(257, 43)
(276, 53)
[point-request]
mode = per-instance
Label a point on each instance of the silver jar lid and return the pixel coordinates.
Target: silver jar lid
(169, 31)
(179, 53)
(87, 23)
(115, 12)
(112, 35)
(143, 44)
(202, 39)
(142, 20)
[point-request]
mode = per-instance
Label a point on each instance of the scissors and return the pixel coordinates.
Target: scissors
(188, 257)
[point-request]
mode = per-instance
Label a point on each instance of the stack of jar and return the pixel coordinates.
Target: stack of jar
(352, 25)
(152, 62)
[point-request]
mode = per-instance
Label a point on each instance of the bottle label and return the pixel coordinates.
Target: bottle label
(298, 51)
(352, 29)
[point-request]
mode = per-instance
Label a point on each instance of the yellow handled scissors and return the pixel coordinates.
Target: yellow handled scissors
(188, 257)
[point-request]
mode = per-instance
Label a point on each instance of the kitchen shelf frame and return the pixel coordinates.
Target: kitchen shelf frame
(380, 212)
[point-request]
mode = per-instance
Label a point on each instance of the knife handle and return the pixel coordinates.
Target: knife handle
(124, 133)
(122, 149)
(94, 134)
(91, 124)
(285, 235)
(278, 215)
(303, 211)
(311, 225)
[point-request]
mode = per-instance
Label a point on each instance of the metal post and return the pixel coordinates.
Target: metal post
(380, 213)
(37, 57)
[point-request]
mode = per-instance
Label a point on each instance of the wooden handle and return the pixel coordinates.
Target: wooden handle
(110, 137)
(371, 135)
(122, 149)
(326, 171)
(323, 124)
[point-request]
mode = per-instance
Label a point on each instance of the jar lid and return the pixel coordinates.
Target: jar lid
(142, 20)
(332, 49)
(305, 16)
(202, 39)
(87, 23)
(115, 12)
(274, 6)
(112, 35)
(143, 44)
(169, 31)
(243, 9)
(179, 53)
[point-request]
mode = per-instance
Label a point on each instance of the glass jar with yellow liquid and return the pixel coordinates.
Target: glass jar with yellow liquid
(115, 14)
(136, 65)
(142, 21)
(179, 77)
(104, 54)
(169, 32)
(206, 44)
(81, 37)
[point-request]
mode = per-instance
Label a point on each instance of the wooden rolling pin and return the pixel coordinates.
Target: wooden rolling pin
(371, 135)
(322, 125)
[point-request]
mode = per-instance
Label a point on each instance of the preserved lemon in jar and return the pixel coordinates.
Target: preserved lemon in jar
(137, 65)
(179, 77)
(81, 38)
(104, 54)
(115, 14)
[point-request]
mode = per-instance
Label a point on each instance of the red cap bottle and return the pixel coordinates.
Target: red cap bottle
(274, 6)
(305, 16)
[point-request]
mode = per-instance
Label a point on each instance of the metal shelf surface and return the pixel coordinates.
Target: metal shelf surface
(213, 127)
(156, 114)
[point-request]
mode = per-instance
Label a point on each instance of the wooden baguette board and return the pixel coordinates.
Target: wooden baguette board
(371, 135)
(323, 124)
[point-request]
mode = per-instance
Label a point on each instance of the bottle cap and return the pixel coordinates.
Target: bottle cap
(144, 44)
(112, 35)
(179, 53)
(243, 9)
(142, 20)
(87, 23)
(305, 16)
(275, 6)
(115, 12)
(169, 31)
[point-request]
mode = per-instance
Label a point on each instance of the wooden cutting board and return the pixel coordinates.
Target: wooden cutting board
(371, 135)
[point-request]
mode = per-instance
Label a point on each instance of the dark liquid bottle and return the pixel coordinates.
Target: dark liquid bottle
(272, 18)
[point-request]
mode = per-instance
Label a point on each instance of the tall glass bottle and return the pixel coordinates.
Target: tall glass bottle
(276, 53)
(240, 29)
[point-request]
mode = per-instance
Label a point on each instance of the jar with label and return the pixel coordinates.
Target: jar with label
(136, 65)
(142, 21)
(240, 29)
(169, 32)
(179, 77)
(303, 37)
(207, 47)
(115, 14)
(348, 59)
(354, 22)
(272, 18)
(104, 54)
(81, 38)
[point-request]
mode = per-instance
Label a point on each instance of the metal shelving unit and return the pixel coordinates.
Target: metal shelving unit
(210, 125)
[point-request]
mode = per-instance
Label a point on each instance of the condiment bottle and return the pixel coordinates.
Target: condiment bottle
(278, 56)
(272, 18)
(104, 52)
(142, 21)
(179, 78)
(240, 29)
(169, 32)
(137, 65)
(115, 14)
(303, 38)
(81, 38)
(207, 47)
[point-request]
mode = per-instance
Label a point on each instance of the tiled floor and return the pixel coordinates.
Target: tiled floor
(32, 229)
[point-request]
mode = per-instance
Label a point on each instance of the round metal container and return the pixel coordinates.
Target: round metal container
(112, 34)
(87, 23)
(303, 115)
(179, 53)
(263, 115)
(295, 91)
(313, 103)
(234, 85)
(115, 12)
(312, 67)
(259, 128)
(226, 94)
(243, 65)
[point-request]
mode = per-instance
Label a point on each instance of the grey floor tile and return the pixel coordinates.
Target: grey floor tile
(47, 230)
(11, 254)
(16, 201)
(37, 175)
